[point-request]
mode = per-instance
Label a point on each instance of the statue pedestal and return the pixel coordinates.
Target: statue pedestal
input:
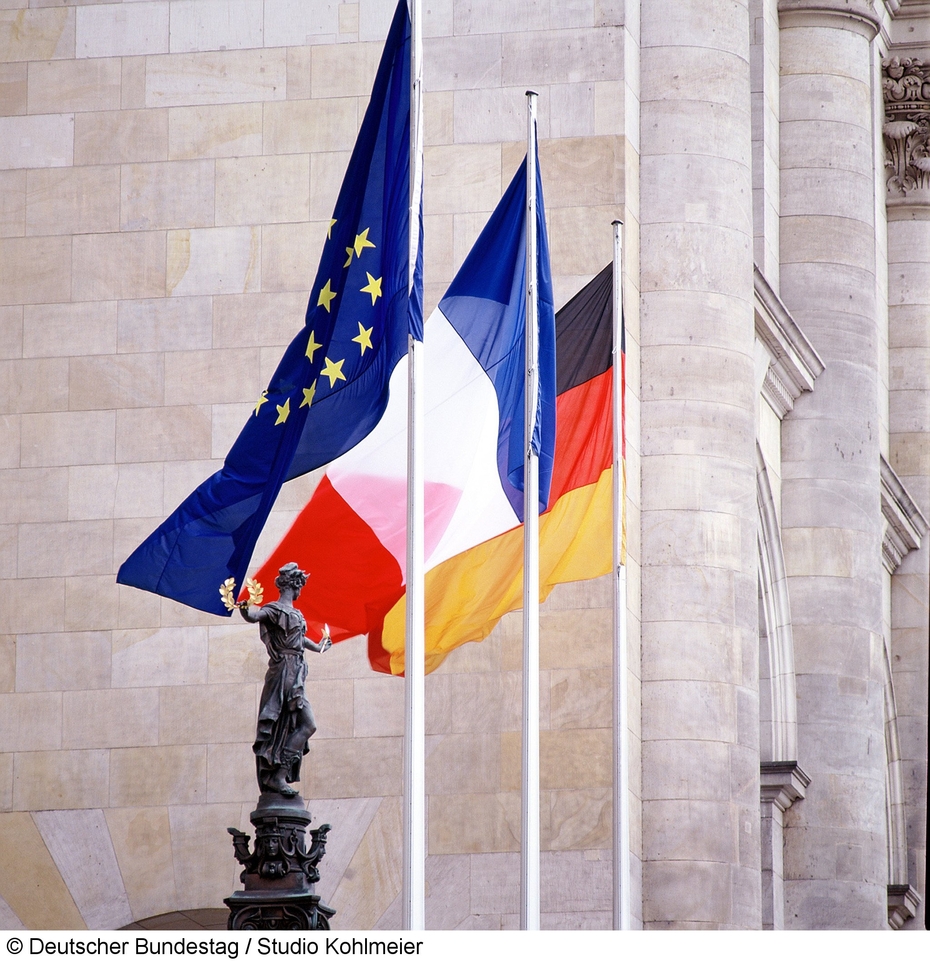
(277, 876)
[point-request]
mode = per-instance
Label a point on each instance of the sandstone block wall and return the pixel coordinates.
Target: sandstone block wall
(167, 172)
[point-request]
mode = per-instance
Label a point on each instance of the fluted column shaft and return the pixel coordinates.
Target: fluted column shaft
(700, 708)
(835, 860)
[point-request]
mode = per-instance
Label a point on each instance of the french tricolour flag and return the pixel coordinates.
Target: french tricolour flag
(351, 536)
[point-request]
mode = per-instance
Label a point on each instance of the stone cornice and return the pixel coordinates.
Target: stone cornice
(910, 8)
(782, 783)
(905, 525)
(906, 31)
(793, 362)
(903, 902)
(908, 211)
(858, 16)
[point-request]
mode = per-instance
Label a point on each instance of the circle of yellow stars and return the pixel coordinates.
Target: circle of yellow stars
(332, 369)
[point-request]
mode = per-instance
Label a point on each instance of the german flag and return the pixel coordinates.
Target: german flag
(356, 584)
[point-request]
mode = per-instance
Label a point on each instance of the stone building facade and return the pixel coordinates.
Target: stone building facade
(167, 172)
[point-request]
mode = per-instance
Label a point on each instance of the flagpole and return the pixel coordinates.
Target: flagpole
(414, 854)
(621, 781)
(529, 909)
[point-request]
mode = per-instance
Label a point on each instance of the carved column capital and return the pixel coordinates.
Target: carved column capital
(856, 15)
(906, 93)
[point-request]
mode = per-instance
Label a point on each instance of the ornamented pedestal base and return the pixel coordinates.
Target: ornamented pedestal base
(277, 876)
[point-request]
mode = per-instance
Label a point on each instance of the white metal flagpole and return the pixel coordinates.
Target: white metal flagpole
(621, 781)
(414, 856)
(529, 908)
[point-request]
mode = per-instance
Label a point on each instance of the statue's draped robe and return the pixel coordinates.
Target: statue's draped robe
(283, 693)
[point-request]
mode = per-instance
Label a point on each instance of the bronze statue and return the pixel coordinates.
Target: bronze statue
(285, 720)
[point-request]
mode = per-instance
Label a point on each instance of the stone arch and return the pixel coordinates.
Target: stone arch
(894, 782)
(194, 919)
(109, 868)
(903, 900)
(782, 782)
(777, 691)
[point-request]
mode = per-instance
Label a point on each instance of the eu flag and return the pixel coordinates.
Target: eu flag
(331, 387)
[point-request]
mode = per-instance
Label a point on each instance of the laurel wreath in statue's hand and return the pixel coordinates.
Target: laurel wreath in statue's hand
(227, 591)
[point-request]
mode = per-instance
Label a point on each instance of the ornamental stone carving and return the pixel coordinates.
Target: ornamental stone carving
(906, 91)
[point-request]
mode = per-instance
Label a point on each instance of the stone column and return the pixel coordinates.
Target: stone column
(906, 84)
(835, 856)
(700, 709)
(765, 110)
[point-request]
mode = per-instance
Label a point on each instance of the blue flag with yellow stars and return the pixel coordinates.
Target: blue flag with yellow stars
(331, 387)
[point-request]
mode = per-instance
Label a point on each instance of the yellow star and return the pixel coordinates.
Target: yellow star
(326, 296)
(329, 230)
(262, 399)
(312, 346)
(308, 395)
(283, 412)
(373, 288)
(333, 371)
(361, 241)
(364, 337)
(349, 259)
